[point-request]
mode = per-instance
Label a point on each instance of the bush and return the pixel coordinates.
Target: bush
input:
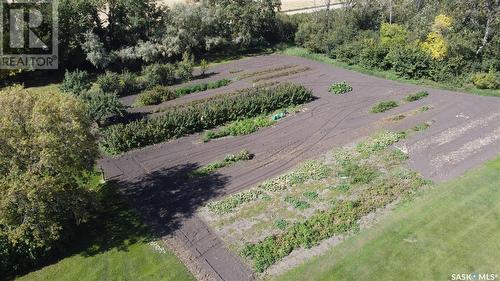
(203, 67)
(76, 82)
(110, 82)
(131, 83)
(156, 95)
(418, 96)
(201, 115)
(384, 106)
(393, 35)
(409, 61)
(185, 67)
(340, 88)
(159, 74)
(349, 52)
(102, 106)
(485, 80)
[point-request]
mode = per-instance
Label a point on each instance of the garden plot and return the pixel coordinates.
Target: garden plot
(307, 205)
(156, 177)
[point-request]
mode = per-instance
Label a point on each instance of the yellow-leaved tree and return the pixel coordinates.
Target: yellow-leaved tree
(435, 44)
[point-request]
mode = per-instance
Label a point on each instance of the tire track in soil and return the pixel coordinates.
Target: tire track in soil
(329, 121)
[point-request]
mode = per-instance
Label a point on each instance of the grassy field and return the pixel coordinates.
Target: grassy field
(452, 228)
(113, 246)
(391, 75)
(138, 262)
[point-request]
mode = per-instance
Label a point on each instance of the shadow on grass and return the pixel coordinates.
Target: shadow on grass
(165, 197)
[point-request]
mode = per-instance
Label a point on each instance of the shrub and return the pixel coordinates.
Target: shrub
(110, 82)
(131, 83)
(340, 88)
(185, 67)
(436, 46)
(76, 82)
(203, 67)
(485, 80)
(409, 61)
(349, 52)
(201, 115)
(156, 95)
(418, 96)
(202, 87)
(393, 35)
(102, 106)
(159, 74)
(384, 106)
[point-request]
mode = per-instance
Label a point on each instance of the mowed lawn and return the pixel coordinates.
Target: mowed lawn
(453, 228)
(138, 262)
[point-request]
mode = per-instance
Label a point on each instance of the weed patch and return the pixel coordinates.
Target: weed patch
(228, 160)
(418, 96)
(384, 106)
(239, 128)
(297, 203)
(266, 71)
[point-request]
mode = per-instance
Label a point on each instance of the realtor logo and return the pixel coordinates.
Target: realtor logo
(28, 34)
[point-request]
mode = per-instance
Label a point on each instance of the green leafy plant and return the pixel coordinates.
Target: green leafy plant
(383, 106)
(76, 82)
(310, 170)
(201, 115)
(487, 80)
(311, 195)
(158, 74)
(229, 204)
(280, 224)
(418, 96)
(228, 160)
(110, 82)
(203, 67)
(379, 141)
(239, 128)
(296, 203)
(156, 95)
(340, 88)
(185, 67)
(102, 106)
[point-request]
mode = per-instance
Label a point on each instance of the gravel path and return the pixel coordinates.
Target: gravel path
(465, 133)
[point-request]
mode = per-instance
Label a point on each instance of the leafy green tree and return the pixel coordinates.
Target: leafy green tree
(46, 147)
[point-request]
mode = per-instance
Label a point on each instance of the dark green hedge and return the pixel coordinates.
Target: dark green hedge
(180, 121)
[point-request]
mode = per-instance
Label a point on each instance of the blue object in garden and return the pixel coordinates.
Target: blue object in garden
(279, 115)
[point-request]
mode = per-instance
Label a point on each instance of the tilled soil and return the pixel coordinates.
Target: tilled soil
(465, 132)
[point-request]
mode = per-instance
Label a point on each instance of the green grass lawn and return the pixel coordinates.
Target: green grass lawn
(138, 262)
(114, 245)
(453, 228)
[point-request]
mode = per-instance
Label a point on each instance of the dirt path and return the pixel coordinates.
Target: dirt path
(464, 133)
